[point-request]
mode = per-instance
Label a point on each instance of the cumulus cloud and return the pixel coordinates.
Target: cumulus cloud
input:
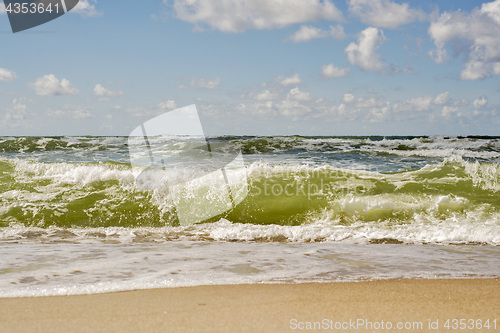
(337, 32)
(240, 15)
(290, 81)
(296, 94)
(70, 111)
(298, 104)
(276, 101)
(86, 8)
(384, 13)
(6, 75)
(448, 111)
(275, 91)
(204, 84)
(415, 104)
(17, 114)
(168, 105)
(443, 102)
(482, 108)
(348, 98)
(377, 109)
(307, 33)
(330, 71)
(476, 34)
(266, 110)
(366, 109)
(442, 99)
(104, 93)
(152, 110)
(479, 102)
(363, 53)
(294, 109)
(49, 85)
(266, 95)
(18, 108)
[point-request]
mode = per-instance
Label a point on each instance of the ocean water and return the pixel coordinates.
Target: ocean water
(75, 218)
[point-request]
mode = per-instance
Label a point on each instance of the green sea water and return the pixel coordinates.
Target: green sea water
(425, 183)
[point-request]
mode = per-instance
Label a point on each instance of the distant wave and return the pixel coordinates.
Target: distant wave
(438, 146)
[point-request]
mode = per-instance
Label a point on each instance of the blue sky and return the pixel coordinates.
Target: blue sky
(257, 67)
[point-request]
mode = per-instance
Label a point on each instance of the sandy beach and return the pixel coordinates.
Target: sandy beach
(425, 305)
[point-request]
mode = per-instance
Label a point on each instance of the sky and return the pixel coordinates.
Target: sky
(257, 67)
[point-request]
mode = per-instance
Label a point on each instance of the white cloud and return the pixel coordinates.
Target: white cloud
(152, 110)
(290, 81)
(18, 108)
(70, 111)
(443, 102)
(366, 109)
(448, 111)
(337, 32)
(442, 99)
(479, 31)
(348, 98)
(378, 109)
(299, 105)
(421, 103)
(370, 102)
(204, 84)
(414, 104)
(49, 85)
(384, 13)
(363, 54)
(275, 91)
(481, 107)
(266, 95)
(82, 114)
(307, 33)
(294, 109)
(86, 8)
(168, 105)
(17, 114)
(265, 110)
(479, 102)
(296, 94)
(104, 93)
(6, 75)
(330, 71)
(292, 103)
(240, 15)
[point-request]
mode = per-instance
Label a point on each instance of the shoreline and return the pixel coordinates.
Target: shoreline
(264, 307)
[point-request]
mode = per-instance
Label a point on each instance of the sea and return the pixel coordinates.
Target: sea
(85, 215)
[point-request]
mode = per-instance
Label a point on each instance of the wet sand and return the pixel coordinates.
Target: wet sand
(330, 307)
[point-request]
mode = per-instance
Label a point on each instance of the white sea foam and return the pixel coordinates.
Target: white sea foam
(469, 228)
(69, 269)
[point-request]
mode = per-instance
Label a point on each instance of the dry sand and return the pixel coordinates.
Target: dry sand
(263, 308)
